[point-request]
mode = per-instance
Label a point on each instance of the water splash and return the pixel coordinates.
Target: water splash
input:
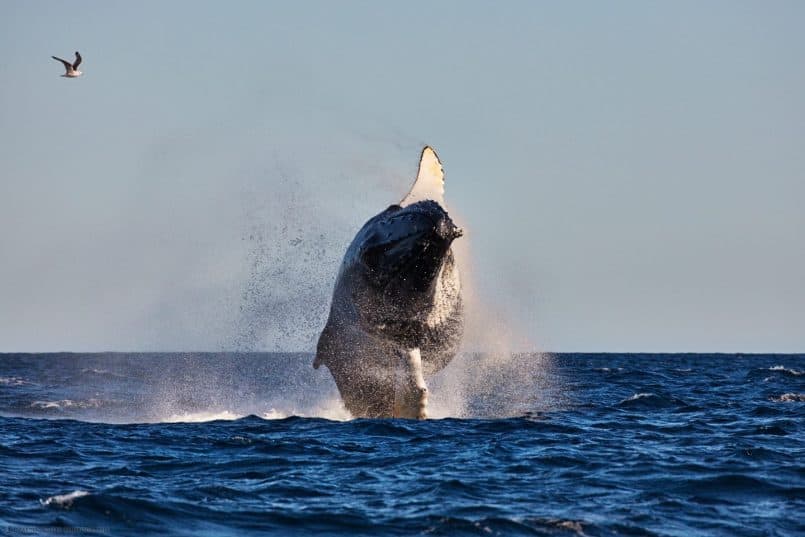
(497, 370)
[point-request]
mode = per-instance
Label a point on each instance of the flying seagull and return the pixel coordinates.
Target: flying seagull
(71, 70)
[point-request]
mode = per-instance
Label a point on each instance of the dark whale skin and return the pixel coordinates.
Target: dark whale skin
(397, 295)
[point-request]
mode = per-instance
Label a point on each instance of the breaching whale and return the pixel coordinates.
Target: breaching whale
(396, 315)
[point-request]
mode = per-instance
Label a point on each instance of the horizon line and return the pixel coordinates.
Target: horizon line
(477, 351)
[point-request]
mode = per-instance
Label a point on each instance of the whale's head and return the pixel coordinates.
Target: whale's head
(403, 249)
(402, 271)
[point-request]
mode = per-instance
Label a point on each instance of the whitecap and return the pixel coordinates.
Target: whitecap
(789, 398)
(784, 369)
(13, 381)
(200, 417)
(642, 395)
(64, 500)
(331, 410)
(608, 370)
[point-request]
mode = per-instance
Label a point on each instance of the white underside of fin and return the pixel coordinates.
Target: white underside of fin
(429, 184)
(410, 390)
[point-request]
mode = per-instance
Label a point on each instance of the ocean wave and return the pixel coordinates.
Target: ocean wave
(730, 485)
(117, 511)
(788, 371)
(333, 411)
(642, 395)
(648, 400)
(789, 398)
(500, 526)
(13, 381)
(64, 500)
(200, 417)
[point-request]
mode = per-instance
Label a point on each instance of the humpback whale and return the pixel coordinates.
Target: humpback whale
(396, 316)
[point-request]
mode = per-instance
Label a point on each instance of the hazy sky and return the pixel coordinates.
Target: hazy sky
(631, 174)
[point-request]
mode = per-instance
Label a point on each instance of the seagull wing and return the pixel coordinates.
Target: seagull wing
(77, 61)
(67, 65)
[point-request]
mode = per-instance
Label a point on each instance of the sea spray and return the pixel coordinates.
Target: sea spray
(499, 361)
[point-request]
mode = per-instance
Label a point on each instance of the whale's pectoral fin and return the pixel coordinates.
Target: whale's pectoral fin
(429, 184)
(410, 390)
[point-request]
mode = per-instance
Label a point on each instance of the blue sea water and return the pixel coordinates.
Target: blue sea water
(568, 444)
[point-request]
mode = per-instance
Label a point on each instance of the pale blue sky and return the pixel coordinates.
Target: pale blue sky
(631, 174)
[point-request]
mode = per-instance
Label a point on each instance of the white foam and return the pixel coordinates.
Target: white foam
(608, 370)
(331, 410)
(274, 414)
(200, 417)
(790, 371)
(65, 500)
(642, 395)
(67, 403)
(47, 404)
(790, 398)
(13, 381)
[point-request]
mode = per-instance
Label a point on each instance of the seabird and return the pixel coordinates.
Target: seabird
(71, 70)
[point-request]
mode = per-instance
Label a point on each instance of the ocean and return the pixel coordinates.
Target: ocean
(209, 444)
